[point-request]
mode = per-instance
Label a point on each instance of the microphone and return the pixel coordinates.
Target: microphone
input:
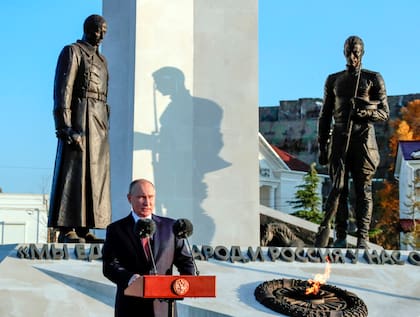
(183, 229)
(145, 228)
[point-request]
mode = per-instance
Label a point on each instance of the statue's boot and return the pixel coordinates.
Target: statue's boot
(362, 243)
(91, 238)
(70, 237)
(88, 236)
(340, 243)
(341, 235)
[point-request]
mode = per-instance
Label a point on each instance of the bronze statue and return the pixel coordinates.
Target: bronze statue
(278, 234)
(80, 195)
(354, 99)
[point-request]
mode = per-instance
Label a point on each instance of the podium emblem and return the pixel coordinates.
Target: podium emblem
(180, 286)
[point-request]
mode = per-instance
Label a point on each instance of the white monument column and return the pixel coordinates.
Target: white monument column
(184, 111)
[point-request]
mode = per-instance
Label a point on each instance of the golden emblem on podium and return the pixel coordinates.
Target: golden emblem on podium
(180, 286)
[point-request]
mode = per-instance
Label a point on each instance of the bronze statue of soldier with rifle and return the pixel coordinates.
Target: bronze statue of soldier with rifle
(354, 99)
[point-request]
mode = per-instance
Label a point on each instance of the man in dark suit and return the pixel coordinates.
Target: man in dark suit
(125, 259)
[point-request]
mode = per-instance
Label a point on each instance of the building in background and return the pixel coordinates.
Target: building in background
(23, 218)
(407, 172)
(280, 174)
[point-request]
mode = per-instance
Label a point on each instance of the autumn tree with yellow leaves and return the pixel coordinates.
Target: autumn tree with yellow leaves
(386, 229)
(407, 127)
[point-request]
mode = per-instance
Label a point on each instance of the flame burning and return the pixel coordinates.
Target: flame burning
(320, 279)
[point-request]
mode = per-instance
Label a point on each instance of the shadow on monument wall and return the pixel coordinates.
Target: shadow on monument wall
(185, 147)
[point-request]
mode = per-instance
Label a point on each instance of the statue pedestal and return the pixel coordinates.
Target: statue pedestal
(184, 106)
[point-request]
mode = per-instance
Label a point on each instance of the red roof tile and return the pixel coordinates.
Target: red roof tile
(292, 162)
(408, 224)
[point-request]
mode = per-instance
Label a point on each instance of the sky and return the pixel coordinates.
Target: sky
(300, 43)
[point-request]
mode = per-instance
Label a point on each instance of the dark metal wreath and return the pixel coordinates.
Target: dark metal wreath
(287, 296)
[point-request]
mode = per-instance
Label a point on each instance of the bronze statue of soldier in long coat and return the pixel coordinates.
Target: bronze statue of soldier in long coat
(80, 195)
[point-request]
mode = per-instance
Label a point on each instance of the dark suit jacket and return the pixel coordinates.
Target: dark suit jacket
(123, 256)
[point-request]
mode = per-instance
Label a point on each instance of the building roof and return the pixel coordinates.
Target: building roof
(407, 151)
(407, 225)
(292, 162)
(409, 147)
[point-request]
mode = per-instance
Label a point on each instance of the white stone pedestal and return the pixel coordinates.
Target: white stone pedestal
(184, 102)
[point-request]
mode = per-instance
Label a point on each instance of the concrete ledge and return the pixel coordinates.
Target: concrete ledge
(72, 287)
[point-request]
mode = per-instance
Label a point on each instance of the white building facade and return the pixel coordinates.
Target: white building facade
(407, 172)
(278, 180)
(23, 218)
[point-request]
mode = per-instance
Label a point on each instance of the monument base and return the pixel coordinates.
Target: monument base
(68, 287)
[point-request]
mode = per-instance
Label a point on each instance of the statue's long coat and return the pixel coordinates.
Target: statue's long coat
(80, 195)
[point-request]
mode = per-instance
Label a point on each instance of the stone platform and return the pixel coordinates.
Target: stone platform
(72, 284)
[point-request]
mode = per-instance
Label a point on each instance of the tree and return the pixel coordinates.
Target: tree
(387, 228)
(307, 200)
(407, 128)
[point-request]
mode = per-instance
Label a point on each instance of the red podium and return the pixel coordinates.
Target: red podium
(172, 287)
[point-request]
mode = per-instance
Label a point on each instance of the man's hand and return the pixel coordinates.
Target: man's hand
(133, 278)
(71, 137)
(364, 108)
(363, 113)
(77, 140)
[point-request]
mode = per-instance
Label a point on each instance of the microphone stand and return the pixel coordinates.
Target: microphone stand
(171, 301)
(154, 270)
(183, 229)
(146, 231)
(197, 272)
